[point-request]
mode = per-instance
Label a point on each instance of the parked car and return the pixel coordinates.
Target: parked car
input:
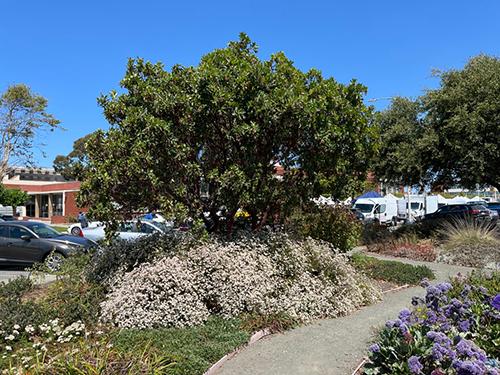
(76, 228)
(127, 230)
(358, 214)
(156, 217)
(494, 216)
(495, 206)
(25, 243)
(460, 211)
(8, 218)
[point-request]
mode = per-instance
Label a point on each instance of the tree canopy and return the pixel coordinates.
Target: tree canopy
(464, 112)
(209, 136)
(12, 197)
(407, 144)
(23, 115)
(73, 165)
(449, 136)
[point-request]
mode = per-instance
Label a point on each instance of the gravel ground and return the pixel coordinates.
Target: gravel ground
(330, 346)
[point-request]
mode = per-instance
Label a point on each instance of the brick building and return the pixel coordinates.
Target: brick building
(52, 198)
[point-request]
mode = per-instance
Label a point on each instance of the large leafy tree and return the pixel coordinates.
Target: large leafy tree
(209, 136)
(23, 116)
(464, 112)
(73, 165)
(450, 135)
(407, 144)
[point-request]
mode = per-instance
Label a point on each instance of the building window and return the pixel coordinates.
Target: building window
(44, 205)
(57, 204)
(30, 206)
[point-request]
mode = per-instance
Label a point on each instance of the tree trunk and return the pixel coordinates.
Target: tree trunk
(230, 223)
(263, 220)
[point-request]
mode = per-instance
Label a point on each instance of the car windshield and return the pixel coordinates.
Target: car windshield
(364, 207)
(44, 231)
(415, 206)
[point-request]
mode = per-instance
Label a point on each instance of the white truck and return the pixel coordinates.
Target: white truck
(384, 210)
(419, 205)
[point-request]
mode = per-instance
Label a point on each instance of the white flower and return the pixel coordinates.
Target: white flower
(17, 326)
(10, 337)
(29, 328)
(8, 348)
(44, 328)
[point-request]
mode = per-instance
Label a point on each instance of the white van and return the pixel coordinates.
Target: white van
(420, 205)
(384, 210)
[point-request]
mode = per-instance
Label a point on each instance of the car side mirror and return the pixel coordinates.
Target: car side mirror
(26, 237)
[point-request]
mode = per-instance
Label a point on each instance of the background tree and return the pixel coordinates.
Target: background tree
(464, 112)
(12, 197)
(407, 144)
(73, 165)
(450, 135)
(22, 117)
(221, 127)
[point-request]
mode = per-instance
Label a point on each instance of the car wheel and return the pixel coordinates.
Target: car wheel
(54, 260)
(75, 231)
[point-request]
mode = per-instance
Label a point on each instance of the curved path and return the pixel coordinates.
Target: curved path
(330, 346)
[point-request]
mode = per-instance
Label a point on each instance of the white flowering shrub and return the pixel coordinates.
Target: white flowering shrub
(160, 294)
(305, 279)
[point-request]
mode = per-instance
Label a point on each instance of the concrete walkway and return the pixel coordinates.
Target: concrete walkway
(330, 346)
(11, 273)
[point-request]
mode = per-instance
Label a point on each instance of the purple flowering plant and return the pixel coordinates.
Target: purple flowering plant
(454, 329)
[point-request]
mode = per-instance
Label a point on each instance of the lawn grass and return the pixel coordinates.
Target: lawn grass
(390, 270)
(189, 350)
(60, 229)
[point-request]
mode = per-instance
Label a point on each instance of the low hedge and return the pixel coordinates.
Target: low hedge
(390, 270)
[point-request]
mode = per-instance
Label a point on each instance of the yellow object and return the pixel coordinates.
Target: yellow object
(241, 213)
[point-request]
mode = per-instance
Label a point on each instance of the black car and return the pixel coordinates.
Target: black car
(460, 211)
(25, 243)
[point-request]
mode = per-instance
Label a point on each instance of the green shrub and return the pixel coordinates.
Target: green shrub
(374, 232)
(15, 288)
(13, 310)
(392, 271)
(70, 298)
(334, 224)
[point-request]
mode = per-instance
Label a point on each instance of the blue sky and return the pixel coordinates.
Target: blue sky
(71, 51)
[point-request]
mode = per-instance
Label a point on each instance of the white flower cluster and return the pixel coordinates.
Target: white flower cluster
(304, 279)
(44, 333)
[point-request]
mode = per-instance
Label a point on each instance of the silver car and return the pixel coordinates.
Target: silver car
(127, 230)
